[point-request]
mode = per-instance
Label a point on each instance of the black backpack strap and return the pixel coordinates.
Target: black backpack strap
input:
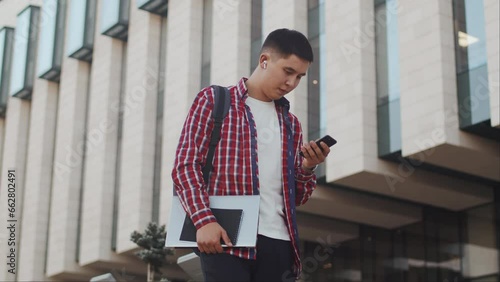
(222, 102)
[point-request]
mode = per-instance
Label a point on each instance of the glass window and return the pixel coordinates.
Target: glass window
(445, 246)
(319, 261)
(316, 96)
(316, 81)
(255, 33)
(114, 18)
(159, 7)
(383, 254)
(471, 64)
(388, 88)
(80, 31)
(480, 249)
(449, 245)
(206, 47)
(159, 122)
(314, 71)
(25, 40)
(6, 41)
(51, 39)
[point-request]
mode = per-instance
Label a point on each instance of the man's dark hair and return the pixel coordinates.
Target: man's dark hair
(289, 42)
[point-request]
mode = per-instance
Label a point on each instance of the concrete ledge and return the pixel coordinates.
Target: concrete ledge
(362, 208)
(406, 182)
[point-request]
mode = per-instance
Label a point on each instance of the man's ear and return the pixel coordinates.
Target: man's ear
(264, 57)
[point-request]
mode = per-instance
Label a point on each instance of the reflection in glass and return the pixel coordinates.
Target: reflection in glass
(388, 79)
(159, 7)
(114, 18)
(25, 40)
(51, 39)
(80, 33)
(6, 41)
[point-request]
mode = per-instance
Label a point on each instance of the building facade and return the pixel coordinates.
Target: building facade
(93, 95)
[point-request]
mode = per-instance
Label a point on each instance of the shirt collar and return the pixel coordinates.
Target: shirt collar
(242, 92)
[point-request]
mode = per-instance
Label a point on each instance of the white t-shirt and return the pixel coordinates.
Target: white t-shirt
(271, 212)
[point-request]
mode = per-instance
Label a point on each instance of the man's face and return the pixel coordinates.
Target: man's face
(282, 75)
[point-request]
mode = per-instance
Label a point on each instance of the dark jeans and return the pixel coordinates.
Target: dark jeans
(274, 263)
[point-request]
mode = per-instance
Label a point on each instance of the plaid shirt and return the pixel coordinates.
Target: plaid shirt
(235, 169)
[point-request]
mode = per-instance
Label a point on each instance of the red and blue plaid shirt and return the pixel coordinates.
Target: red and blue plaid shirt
(235, 164)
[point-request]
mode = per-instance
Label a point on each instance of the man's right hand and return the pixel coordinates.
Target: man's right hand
(208, 238)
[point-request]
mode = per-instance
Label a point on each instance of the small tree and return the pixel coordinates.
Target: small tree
(154, 252)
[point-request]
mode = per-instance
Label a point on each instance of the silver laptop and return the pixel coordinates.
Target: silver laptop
(247, 235)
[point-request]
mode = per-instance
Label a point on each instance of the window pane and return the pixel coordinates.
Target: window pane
(316, 73)
(388, 79)
(316, 102)
(51, 39)
(25, 40)
(206, 55)
(256, 34)
(81, 29)
(114, 18)
(471, 66)
(6, 41)
(110, 14)
(480, 251)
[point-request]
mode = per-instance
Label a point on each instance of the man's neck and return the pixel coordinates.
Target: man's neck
(254, 91)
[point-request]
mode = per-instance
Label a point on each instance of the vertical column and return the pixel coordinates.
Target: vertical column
(102, 139)
(14, 157)
(428, 77)
(291, 15)
(67, 169)
(429, 116)
(284, 14)
(138, 142)
(350, 82)
(39, 165)
(182, 83)
(15, 144)
(492, 20)
(230, 42)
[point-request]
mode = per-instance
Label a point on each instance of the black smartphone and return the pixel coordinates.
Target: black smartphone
(327, 139)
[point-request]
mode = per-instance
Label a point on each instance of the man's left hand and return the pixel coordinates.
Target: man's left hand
(313, 155)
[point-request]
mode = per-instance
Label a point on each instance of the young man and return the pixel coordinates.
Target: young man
(259, 147)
